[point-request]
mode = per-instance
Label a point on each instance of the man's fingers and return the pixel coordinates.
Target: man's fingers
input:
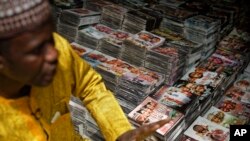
(162, 122)
(149, 129)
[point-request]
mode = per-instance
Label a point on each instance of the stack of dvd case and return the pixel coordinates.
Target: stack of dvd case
(224, 18)
(113, 16)
(222, 65)
(196, 6)
(80, 16)
(230, 109)
(90, 36)
(234, 44)
(135, 47)
(234, 48)
(133, 4)
(168, 34)
(137, 83)
(203, 76)
(112, 43)
(203, 92)
(203, 29)
(230, 10)
(130, 84)
(233, 107)
(150, 111)
(240, 90)
(157, 14)
(178, 99)
(222, 118)
(192, 50)
(109, 67)
(71, 20)
(67, 31)
(173, 18)
(172, 3)
(138, 20)
(96, 5)
(167, 60)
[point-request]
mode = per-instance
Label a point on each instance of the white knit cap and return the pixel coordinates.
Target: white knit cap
(19, 15)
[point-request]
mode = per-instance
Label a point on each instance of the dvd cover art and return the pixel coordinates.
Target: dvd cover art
(79, 49)
(95, 58)
(221, 118)
(202, 91)
(235, 108)
(117, 37)
(220, 64)
(143, 78)
(238, 94)
(118, 66)
(243, 82)
(231, 55)
(150, 111)
(175, 98)
(148, 39)
(186, 138)
(91, 35)
(233, 43)
(112, 44)
(205, 130)
(172, 55)
(92, 32)
(203, 77)
(103, 28)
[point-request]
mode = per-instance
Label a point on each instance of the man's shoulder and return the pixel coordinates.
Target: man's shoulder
(60, 42)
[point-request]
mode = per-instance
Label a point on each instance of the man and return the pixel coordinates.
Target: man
(38, 74)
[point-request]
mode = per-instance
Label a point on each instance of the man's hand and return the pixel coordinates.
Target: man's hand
(142, 132)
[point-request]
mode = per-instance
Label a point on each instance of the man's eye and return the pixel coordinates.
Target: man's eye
(38, 50)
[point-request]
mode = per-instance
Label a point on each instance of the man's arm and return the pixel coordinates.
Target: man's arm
(100, 102)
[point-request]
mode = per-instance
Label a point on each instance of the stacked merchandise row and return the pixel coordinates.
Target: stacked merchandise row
(71, 20)
(231, 109)
(122, 45)
(195, 93)
(129, 83)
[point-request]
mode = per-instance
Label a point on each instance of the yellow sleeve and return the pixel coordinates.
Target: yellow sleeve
(100, 102)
